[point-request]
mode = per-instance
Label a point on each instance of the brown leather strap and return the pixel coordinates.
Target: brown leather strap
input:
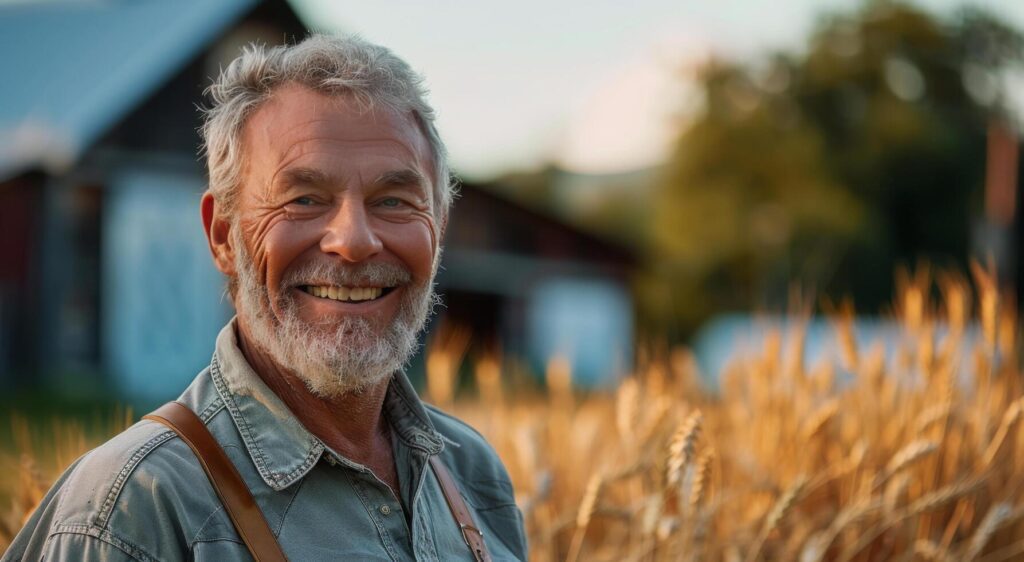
(233, 492)
(472, 534)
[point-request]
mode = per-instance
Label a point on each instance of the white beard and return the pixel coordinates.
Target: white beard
(332, 357)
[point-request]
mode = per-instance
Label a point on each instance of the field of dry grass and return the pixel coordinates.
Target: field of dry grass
(911, 455)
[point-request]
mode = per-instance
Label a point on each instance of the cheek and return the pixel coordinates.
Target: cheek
(413, 241)
(255, 229)
(282, 245)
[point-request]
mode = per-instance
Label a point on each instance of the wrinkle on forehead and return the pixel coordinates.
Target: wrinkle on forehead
(293, 108)
(312, 144)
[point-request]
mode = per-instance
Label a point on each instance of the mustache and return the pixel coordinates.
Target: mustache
(322, 272)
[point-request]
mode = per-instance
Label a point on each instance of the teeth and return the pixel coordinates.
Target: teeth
(350, 294)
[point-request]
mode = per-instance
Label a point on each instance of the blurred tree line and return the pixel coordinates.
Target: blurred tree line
(833, 166)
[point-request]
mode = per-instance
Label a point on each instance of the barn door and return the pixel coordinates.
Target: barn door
(162, 304)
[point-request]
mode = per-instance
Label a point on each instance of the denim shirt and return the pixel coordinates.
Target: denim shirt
(144, 496)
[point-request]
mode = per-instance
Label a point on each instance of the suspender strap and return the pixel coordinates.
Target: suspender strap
(472, 534)
(233, 493)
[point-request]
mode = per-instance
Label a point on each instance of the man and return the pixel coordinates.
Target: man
(329, 193)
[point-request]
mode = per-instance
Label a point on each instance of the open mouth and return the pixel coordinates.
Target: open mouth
(347, 294)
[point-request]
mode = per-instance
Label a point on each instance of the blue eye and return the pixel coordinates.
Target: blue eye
(304, 201)
(391, 202)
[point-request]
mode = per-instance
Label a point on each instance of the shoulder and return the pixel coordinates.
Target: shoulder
(140, 493)
(471, 457)
(146, 454)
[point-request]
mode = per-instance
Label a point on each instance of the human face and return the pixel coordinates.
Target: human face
(334, 198)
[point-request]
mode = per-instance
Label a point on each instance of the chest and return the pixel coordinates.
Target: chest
(338, 511)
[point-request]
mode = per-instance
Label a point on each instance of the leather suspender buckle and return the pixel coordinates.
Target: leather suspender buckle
(465, 537)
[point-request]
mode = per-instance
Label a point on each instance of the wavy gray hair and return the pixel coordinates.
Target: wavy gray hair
(371, 74)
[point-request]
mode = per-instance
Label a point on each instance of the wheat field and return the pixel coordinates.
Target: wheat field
(908, 454)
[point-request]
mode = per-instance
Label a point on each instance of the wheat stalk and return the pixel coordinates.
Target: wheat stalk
(777, 514)
(818, 544)
(700, 482)
(905, 457)
(941, 497)
(1010, 419)
(997, 515)
(626, 408)
(820, 418)
(932, 415)
(583, 515)
(683, 445)
(929, 550)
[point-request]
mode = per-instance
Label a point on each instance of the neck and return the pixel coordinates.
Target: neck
(351, 424)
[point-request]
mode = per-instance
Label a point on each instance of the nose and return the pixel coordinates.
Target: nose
(350, 235)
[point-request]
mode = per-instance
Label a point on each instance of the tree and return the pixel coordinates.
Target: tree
(831, 167)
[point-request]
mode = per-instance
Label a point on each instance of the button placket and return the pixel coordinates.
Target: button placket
(388, 515)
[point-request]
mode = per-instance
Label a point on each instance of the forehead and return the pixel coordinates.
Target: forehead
(297, 122)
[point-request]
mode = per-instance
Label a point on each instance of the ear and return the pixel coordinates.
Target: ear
(218, 234)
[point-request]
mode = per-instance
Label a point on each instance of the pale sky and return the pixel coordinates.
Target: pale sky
(592, 85)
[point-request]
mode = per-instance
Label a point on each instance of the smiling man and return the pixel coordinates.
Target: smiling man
(329, 193)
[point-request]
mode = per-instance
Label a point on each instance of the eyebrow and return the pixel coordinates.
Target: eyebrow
(294, 176)
(394, 178)
(403, 177)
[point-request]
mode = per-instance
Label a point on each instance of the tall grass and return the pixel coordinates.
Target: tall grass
(914, 454)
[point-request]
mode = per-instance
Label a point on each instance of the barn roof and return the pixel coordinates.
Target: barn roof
(73, 69)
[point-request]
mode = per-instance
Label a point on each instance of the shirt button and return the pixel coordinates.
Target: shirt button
(385, 509)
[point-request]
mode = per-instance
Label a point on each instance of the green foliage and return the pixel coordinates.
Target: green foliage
(832, 167)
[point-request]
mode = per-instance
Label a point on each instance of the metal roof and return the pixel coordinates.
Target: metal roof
(70, 70)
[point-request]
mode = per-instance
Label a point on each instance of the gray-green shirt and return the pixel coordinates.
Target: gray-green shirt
(143, 495)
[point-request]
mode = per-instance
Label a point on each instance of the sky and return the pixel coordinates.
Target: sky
(594, 86)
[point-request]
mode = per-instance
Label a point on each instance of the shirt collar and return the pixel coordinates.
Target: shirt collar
(282, 449)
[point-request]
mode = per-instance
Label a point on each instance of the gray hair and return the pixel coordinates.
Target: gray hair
(371, 74)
